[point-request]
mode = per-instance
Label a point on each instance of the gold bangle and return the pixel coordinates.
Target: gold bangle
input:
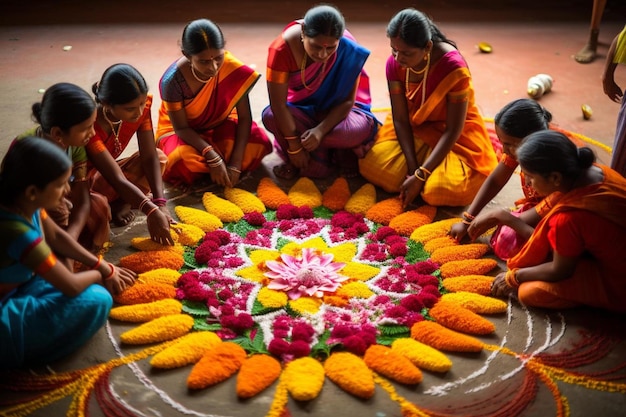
(511, 279)
(468, 216)
(233, 168)
(291, 137)
(111, 273)
(206, 150)
(290, 152)
(152, 210)
(417, 172)
(98, 262)
(426, 171)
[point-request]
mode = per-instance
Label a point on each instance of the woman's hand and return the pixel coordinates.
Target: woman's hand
(484, 222)
(410, 189)
(499, 287)
(159, 227)
(458, 231)
(168, 215)
(219, 175)
(234, 174)
(121, 279)
(612, 90)
(311, 139)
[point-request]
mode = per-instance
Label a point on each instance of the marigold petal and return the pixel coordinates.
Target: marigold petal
(351, 374)
(385, 210)
(199, 218)
(337, 195)
(139, 313)
(456, 317)
(272, 299)
(256, 374)
(305, 193)
(159, 276)
(392, 365)
(187, 234)
(355, 290)
(440, 242)
(475, 302)
(479, 284)
(409, 221)
(459, 252)
(145, 293)
(245, 200)
(427, 232)
(141, 262)
(342, 253)
(160, 329)
(361, 272)
(147, 244)
(467, 267)
(442, 338)
(216, 365)
(189, 349)
(422, 356)
(362, 200)
(307, 305)
(270, 194)
(304, 378)
(221, 208)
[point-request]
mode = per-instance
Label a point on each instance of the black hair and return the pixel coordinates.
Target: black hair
(200, 35)
(548, 151)
(415, 29)
(120, 84)
(30, 161)
(521, 117)
(63, 105)
(324, 20)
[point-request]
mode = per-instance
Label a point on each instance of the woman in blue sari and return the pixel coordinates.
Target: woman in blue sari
(319, 94)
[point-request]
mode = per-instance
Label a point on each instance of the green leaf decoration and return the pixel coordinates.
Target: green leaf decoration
(393, 330)
(260, 309)
(195, 309)
(416, 252)
(200, 324)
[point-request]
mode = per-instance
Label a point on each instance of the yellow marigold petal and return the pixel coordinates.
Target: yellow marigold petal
(459, 252)
(307, 305)
(351, 374)
(199, 218)
(342, 253)
(467, 267)
(221, 208)
(254, 273)
(159, 276)
(422, 356)
(406, 223)
(361, 272)
(433, 230)
(141, 262)
(141, 293)
(160, 329)
(337, 195)
(456, 317)
(262, 255)
(392, 365)
(385, 210)
(477, 303)
(216, 365)
(304, 378)
(439, 337)
(245, 200)
(270, 194)
(362, 200)
(189, 349)
(187, 234)
(305, 193)
(440, 242)
(139, 313)
(355, 290)
(147, 244)
(479, 284)
(316, 243)
(257, 373)
(271, 298)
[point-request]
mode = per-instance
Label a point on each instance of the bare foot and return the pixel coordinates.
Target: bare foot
(122, 213)
(586, 55)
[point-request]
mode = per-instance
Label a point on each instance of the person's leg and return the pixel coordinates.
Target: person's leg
(618, 160)
(588, 53)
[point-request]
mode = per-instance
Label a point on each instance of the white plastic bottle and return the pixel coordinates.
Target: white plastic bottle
(539, 85)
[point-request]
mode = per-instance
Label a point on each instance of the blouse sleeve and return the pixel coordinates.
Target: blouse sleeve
(280, 62)
(564, 237)
(171, 89)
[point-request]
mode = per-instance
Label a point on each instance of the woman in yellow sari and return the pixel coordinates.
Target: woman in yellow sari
(434, 133)
(205, 122)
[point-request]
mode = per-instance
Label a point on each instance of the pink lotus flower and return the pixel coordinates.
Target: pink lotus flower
(312, 275)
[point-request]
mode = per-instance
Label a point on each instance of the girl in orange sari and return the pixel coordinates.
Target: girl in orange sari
(434, 133)
(577, 253)
(205, 122)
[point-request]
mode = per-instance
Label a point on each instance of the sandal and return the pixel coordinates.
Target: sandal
(285, 171)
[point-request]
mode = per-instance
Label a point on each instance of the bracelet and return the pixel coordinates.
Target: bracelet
(111, 273)
(160, 202)
(215, 164)
(466, 222)
(426, 171)
(233, 168)
(291, 137)
(290, 152)
(98, 262)
(417, 172)
(468, 216)
(143, 203)
(206, 150)
(214, 159)
(152, 210)
(511, 279)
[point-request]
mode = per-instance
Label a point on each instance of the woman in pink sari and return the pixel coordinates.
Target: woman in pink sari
(205, 122)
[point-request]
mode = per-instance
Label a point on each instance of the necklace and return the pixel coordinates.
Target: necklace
(318, 79)
(422, 83)
(193, 72)
(116, 133)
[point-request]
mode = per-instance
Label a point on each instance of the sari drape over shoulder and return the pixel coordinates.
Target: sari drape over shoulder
(212, 114)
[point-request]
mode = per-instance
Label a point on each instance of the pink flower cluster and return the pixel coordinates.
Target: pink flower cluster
(384, 243)
(292, 338)
(218, 250)
(346, 226)
(255, 218)
(355, 338)
(291, 212)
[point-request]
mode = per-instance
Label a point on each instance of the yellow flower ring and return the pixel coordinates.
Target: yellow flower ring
(308, 293)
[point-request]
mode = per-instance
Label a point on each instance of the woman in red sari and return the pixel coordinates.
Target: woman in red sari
(577, 253)
(205, 122)
(133, 182)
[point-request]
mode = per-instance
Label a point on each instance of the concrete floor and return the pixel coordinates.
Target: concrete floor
(528, 37)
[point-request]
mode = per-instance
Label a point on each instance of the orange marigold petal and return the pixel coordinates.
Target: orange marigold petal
(218, 364)
(408, 222)
(427, 232)
(392, 365)
(145, 293)
(439, 337)
(479, 284)
(459, 252)
(147, 244)
(385, 210)
(141, 262)
(270, 194)
(351, 374)
(467, 267)
(456, 317)
(476, 302)
(440, 242)
(160, 329)
(256, 374)
(337, 195)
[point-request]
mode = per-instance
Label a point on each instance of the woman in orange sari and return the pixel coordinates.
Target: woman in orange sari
(434, 133)
(577, 253)
(205, 122)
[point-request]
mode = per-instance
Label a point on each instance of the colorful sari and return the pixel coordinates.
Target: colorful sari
(599, 276)
(458, 178)
(312, 93)
(618, 160)
(131, 166)
(38, 324)
(212, 114)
